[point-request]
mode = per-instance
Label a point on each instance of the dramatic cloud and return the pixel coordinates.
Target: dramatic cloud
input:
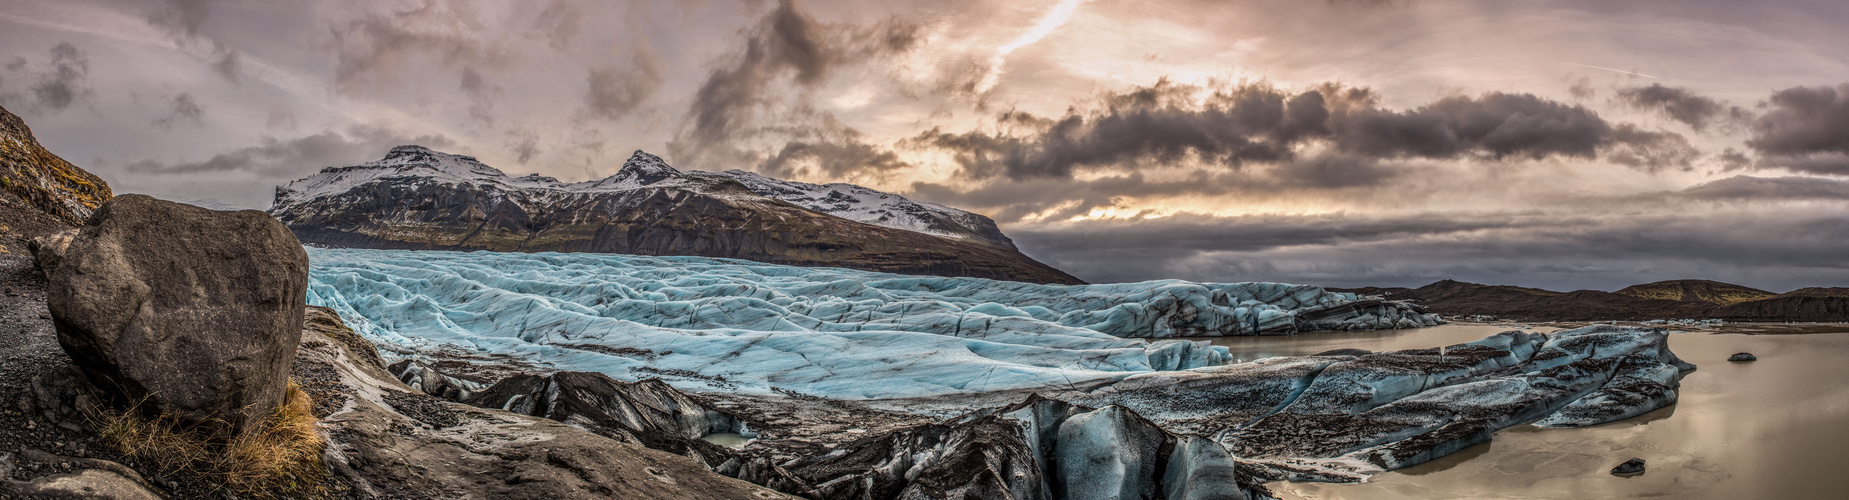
(615, 91)
(376, 49)
(64, 81)
(182, 107)
(1334, 170)
(1168, 124)
(182, 19)
(1497, 124)
(732, 105)
(1806, 129)
(278, 158)
(1650, 150)
(1683, 105)
(835, 151)
(524, 142)
(559, 23)
(182, 16)
(1749, 188)
(481, 96)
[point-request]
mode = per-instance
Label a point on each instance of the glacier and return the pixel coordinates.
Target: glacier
(708, 324)
(851, 384)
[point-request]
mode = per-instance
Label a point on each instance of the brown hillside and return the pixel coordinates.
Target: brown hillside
(1712, 292)
(1678, 299)
(40, 193)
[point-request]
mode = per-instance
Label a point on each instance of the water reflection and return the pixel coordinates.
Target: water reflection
(1773, 428)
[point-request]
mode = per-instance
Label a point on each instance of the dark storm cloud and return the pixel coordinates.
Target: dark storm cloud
(613, 92)
(1581, 89)
(835, 151)
(1804, 120)
(1683, 105)
(182, 16)
(1333, 170)
(1157, 124)
(1650, 151)
(291, 158)
(182, 19)
(1522, 248)
(1750, 188)
(374, 49)
(1231, 127)
(1804, 129)
(524, 142)
(559, 23)
(1497, 124)
(182, 107)
(1733, 159)
(481, 95)
(64, 81)
(735, 103)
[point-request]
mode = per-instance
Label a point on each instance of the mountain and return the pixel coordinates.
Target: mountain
(1675, 299)
(416, 198)
(40, 193)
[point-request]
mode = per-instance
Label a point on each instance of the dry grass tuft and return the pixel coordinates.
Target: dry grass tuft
(280, 459)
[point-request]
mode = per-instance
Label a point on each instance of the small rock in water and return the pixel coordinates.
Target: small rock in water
(1743, 356)
(1632, 466)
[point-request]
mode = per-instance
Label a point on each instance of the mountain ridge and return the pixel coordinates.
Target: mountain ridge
(1670, 299)
(418, 198)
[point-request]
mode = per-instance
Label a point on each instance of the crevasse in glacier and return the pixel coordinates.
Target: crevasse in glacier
(706, 324)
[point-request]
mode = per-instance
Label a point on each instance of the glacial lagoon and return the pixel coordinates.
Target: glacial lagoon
(1772, 428)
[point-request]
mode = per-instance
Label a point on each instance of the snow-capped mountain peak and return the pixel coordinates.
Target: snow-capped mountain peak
(413, 164)
(641, 169)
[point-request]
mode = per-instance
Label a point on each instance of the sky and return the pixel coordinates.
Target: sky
(1564, 144)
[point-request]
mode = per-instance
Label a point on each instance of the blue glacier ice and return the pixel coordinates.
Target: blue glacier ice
(741, 326)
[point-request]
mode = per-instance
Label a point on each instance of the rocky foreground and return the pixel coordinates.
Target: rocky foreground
(1202, 433)
(144, 332)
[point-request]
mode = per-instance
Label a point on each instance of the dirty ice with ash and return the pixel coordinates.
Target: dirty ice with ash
(719, 324)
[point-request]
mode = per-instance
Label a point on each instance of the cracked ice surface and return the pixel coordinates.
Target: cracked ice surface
(706, 324)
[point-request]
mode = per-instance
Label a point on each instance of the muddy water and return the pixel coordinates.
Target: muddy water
(1774, 428)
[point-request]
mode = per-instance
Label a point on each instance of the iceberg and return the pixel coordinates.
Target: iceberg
(710, 324)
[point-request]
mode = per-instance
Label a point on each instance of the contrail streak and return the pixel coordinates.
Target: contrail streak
(1043, 27)
(1632, 73)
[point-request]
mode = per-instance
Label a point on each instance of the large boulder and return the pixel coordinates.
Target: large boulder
(181, 311)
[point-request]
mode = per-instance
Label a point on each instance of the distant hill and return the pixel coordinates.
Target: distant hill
(1675, 299)
(40, 193)
(1711, 292)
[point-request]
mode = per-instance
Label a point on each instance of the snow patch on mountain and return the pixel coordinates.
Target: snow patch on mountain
(857, 203)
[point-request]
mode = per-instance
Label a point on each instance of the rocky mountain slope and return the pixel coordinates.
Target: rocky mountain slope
(40, 193)
(1676, 299)
(416, 198)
